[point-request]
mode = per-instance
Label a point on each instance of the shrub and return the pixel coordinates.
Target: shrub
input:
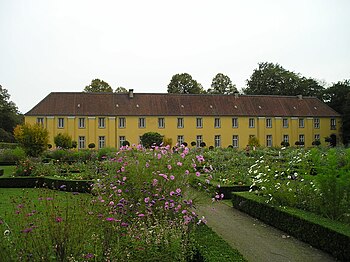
(63, 141)
(33, 138)
(91, 145)
(12, 155)
(150, 139)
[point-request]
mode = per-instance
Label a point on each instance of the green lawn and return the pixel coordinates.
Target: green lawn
(8, 170)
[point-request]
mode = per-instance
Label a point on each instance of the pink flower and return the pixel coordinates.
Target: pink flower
(198, 174)
(178, 190)
(146, 199)
(110, 219)
(172, 177)
(155, 182)
(58, 219)
(169, 167)
(141, 215)
(159, 156)
(179, 163)
(187, 172)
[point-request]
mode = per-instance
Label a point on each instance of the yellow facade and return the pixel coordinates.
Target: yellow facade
(223, 131)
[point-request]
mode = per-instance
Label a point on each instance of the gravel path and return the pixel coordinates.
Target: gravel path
(255, 240)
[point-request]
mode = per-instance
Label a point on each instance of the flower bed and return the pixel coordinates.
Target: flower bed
(328, 235)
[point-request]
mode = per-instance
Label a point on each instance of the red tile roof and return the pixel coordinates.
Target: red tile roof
(144, 104)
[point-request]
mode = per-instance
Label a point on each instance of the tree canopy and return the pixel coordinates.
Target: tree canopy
(222, 84)
(98, 85)
(120, 89)
(9, 116)
(184, 84)
(273, 79)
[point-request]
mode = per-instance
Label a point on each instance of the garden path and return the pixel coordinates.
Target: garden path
(256, 241)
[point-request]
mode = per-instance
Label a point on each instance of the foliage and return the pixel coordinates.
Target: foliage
(24, 168)
(12, 155)
(33, 138)
(184, 84)
(91, 145)
(273, 79)
(253, 141)
(120, 90)
(222, 84)
(5, 145)
(98, 85)
(63, 141)
(9, 116)
(150, 139)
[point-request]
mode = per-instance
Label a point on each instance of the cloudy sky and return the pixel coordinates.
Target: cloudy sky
(48, 45)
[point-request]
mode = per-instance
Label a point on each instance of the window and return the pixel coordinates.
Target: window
(180, 122)
(101, 122)
(122, 122)
(301, 123)
(199, 122)
(60, 122)
(316, 123)
(180, 140)
(269, 140)
(317, 137)
(40, 121)
(161, 122)
(285, 122)
(142, 122)
(302, 138)
(101, 141)
(235, 122)
(81, 122)
(286, 138)
(217, 141)
(81, 142)
(121, 141)
(268, 122)
(333, 124)
(251, 122)
(217, 122)
(235, 140)
(199, 140)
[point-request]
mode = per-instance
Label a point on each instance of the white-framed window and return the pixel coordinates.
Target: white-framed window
(217, 141)
(142, 122)
(199, 122)
(333, 124)
(199, 140)
(317, 137)
(101, 122)
(180, 140)
(121, 141)
(235, 141)
(217, 122)
(301, 123)
(180, 122)
(40, 121)
(251, 122)
(302, 138)
(81, 142)
(60, 122)
(161, 122)
(81, 122)
(285, 123)
(234, 122)
(316, 123)
(268, 123)
(122, 122)
(269, 140)
(286, 138)
(101, 141)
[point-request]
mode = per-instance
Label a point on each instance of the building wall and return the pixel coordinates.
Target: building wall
(132, 132)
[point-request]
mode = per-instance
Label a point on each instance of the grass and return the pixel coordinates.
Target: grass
(8, 170)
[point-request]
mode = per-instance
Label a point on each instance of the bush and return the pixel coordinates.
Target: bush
(91, 145)
(12, 155)
(33, 139)
(63, 141)
(151, 139)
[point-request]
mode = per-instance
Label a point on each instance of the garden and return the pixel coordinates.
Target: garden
(140, 205)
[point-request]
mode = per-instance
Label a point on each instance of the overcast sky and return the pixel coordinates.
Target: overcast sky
(48, 46)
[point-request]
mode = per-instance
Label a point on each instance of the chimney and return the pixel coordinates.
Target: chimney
(131, 93)
(236, 94)
(300, 97)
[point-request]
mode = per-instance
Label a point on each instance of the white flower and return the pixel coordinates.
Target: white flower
(7, 232)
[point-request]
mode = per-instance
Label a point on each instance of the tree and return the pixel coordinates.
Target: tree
(9, 116)
(151, 138)
(273, 79)
(184, 84)
(63, 141)
(120, 90)
(33, 138)
(222, 84)
(98, 85)
(338, 97)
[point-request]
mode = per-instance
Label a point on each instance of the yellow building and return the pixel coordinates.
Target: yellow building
(109, 119)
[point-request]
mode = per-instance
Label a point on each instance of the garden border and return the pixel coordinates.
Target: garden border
(317, 235)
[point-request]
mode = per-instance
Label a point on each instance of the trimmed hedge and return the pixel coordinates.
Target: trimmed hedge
(319, 232)
(82, 186)
(212, 248)
(8, 145)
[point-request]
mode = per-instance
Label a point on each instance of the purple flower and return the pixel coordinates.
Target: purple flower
(27, 230)
(58, 219)
(141, 215)
(146, 199)
(89, 255)
(110, 219)
(169, 167)
(172, 177)
(198, 174)
(123, 224)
